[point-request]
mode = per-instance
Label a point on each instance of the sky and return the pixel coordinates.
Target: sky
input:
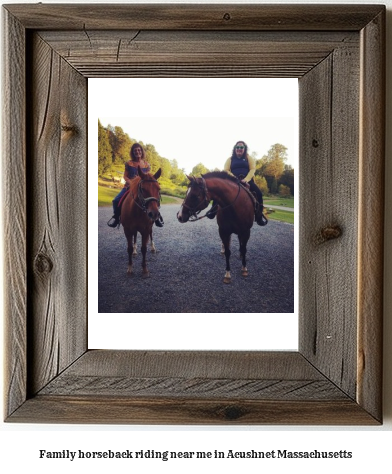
(199, 120)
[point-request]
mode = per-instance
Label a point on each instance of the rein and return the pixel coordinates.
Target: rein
(145, 201)
(194, 212)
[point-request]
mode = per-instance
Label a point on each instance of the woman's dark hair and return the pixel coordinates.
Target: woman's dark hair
(132, 154)
(233, 155)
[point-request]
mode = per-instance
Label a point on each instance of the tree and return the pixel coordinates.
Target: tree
(120, 143)
(287, 178)
(152, 157)
(262, 184)
(284, 190)
(104, 150)
(177, 175)
(199, 169)
(165, 167)
(272, 166)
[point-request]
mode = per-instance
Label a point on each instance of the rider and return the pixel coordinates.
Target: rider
(137, 155)
(243, 166)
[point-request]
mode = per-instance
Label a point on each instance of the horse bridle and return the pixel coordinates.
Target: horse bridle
(193, 211)
(144, 202)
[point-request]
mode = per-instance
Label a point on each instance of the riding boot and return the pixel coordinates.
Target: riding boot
(213, 211)
(159, 222)
(115, 220)
(260, 217)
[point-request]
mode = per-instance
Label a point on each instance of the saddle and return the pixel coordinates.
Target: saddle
(259, 216)
(122, 198)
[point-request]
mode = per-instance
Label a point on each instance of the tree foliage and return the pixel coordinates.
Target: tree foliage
(114, 146)
(199, 169)
(273, 168)
(104, 150)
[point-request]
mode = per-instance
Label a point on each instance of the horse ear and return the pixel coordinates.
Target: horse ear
(158, 174)
(191, 178)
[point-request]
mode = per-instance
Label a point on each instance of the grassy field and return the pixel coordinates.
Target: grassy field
(279, 201)
(282, 216)
(106, 196)
(173, 194)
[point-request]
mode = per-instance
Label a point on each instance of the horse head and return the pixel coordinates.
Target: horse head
(196, 199)
(148, 193)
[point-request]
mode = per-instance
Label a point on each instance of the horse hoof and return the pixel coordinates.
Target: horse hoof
(145, 275)
(244, 273)
(226, 280)
(129, 271)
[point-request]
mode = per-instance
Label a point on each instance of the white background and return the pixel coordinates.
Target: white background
(266, 113)
(19, 444)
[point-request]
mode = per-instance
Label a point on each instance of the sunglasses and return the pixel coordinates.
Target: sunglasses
(239, 147)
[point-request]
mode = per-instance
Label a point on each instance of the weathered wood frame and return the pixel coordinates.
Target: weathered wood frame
(337, 52)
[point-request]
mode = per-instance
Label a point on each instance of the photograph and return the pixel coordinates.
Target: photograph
(203, 224)
(226, 304)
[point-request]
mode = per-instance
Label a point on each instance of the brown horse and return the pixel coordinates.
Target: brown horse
(139, 211)
(235, 215)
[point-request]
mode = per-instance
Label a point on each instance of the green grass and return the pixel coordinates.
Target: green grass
(278, 201)
(106, 196)
(282, 216)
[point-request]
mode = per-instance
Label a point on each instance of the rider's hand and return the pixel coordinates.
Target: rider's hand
(244, 183)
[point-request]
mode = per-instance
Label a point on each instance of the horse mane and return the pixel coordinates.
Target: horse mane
(225, 175)
(221, 175)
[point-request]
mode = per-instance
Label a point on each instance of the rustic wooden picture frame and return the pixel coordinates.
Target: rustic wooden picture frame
(337, 52)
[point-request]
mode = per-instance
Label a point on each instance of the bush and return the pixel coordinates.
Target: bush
(284, 190)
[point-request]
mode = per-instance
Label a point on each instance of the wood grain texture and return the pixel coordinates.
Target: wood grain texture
(194, 53)
(155, 411)
(192, 387)
(329, 137)
(14, 212)
(335, 378)
(195, 17)
(371, 215)
(57, 215)
(206, 374)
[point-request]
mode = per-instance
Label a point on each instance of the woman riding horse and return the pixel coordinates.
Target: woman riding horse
(243, 166)
(137, 154)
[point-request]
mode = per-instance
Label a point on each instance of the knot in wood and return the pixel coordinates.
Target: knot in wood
(315, 143)
(43, 264)
(328, 233)
(69, 128)
(232, 413)
(227, 16)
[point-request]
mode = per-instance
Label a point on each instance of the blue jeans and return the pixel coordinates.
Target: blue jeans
(117, 199)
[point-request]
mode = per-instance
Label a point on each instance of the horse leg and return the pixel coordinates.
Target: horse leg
(243, 240)
(226, 243)
(223, 247)
(134, 244)
(130, 251)
(153, 249)
(145, 273)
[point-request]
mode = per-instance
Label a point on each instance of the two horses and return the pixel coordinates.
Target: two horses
(235, 215)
